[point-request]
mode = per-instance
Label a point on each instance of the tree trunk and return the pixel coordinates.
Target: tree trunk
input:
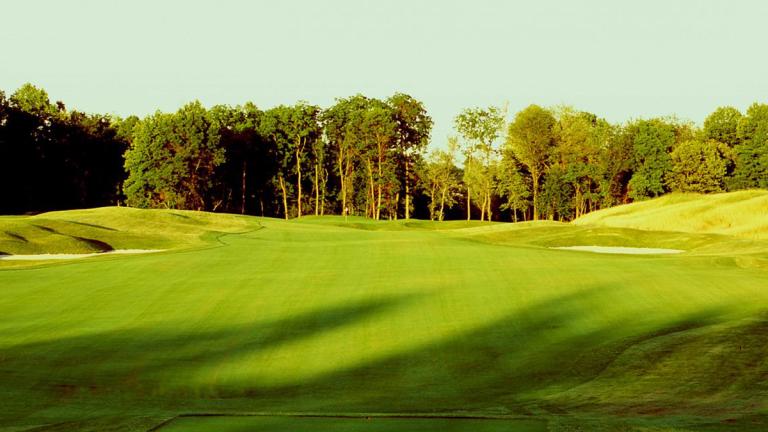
(535, 177)
(298, 173)
(372, 190)
(285, 196)
(397, 201)
(482, 209)
(349, 186)
(407, 192)
(469, 203)
(380, 161)
(489, 205)
(442, 204)
(242, 207)
(317, 190)
(343, 183)
(322, 193)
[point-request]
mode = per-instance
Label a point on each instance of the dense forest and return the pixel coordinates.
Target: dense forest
(366, 156)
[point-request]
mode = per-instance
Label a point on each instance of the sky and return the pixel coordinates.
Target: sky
(618, 59)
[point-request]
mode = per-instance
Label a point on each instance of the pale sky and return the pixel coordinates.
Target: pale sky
(620, 60)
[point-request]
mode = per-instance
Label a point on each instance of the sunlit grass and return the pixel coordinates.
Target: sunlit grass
(743, 214)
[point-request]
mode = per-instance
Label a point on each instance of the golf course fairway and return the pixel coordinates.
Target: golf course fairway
(241, 323)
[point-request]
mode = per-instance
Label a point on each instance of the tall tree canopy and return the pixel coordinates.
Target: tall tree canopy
(413, 128)
(697, 166)
(480, 128)
(531, 138)
(366, 156)
(172, 159)
(722, 126)
(752, 151)
(652, 142)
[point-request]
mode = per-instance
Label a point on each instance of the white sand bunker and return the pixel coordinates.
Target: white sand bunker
(621, 250)
(43, 257)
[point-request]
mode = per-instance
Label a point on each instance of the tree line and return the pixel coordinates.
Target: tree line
(366, 156)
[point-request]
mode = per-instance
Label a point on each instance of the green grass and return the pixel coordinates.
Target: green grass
(330, 424)
(743, 214)
(120, 227)
(317, 316)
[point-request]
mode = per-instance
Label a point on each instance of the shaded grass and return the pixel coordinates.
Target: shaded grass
(372, 424)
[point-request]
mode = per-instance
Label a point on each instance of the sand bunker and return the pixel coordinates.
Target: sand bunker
(43, 257)
(621, 250)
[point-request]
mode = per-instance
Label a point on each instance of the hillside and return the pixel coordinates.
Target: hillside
(113, 228)
(743, 214)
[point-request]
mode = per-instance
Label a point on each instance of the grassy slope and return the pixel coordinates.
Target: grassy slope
(400, 317)
(743, 214)
(97, 230)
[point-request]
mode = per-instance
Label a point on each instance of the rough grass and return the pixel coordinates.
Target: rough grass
(368, 318)
(743, 214)
(104, 229)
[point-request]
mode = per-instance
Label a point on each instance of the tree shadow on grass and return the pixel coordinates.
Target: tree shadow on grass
(132, 362)
(513, 366)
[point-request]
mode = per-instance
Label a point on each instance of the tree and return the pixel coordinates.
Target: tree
(33, 100)
(443, 179)
(248, 166)
(616, 161)
(722, 126)
(304, 129)
(319, 149)
(480, 128)
(413, 127)
(513, 186)
(172, 159)
(531, 139)
(697, 166)
(341, 124)
(580, 138)
(378, 138)
(274, 126)
(751, 169)
(653, 140)
(556, 193)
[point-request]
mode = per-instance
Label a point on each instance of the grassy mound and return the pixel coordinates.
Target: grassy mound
(743, 214)
(389, 320)
(109, 228)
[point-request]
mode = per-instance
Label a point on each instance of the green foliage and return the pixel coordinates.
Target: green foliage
(616, 161)
(652, 142)
(172, 159)
(513, 187)
(413, 130)
(581, 138)
(442, 179)
(480, 128)
(697, 166)
(556, 194)
(722, 126)
(362, 155)
(531, 138)
(752, 153)
(51, 158)
(293, 131)
(33, 100)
